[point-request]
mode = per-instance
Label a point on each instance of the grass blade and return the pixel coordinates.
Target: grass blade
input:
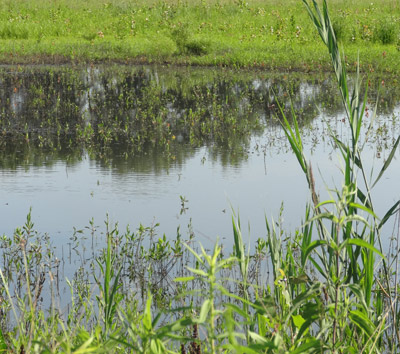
(389, 213)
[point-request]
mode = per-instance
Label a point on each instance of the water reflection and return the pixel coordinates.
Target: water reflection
(62, 112)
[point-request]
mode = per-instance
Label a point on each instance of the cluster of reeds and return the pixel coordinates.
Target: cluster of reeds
(332, 287)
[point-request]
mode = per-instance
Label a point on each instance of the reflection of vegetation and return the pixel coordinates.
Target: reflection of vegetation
(120, 111)
(25, 156)
(151, 160)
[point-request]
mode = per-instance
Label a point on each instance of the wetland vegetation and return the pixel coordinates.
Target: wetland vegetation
(330, 287)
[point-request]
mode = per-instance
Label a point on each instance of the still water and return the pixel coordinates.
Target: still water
(53, 161)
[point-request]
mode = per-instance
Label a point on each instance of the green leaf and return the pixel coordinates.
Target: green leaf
(363, 207)
(265, 306)
(362, 321)
(354, 217)
(237, 309)
(331, 201)
(147, 314)
(358, 292)
(257, 338)
(198, 272)
(361, 243)
(201, 261)
(293, 138)
(361, 196)
(170, 329)
(387, 162)
(84, 348)
(298, 320)
(328, 216)
(389, 213)
(205, 308)
(262, 324)
(184, 279)
(313, 245)
(240, 349)
(311, 312)
(301, 278)
(302, 298)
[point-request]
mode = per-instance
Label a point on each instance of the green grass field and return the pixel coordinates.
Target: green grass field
(239, 33)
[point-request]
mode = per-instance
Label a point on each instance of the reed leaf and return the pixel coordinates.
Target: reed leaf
(243, 259)
(361, 243)
(387, 162)
(393, 210)
(294, 138)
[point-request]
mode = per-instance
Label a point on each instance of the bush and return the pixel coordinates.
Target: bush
(186, 44)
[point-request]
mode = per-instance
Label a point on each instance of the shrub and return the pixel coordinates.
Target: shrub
(186, 44)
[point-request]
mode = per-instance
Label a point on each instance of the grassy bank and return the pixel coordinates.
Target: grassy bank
(272, 35)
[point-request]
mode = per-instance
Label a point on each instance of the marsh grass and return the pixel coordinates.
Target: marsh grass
(332, 289)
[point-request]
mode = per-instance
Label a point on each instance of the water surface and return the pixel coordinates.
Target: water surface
(81, 144)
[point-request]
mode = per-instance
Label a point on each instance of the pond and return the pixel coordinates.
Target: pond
(174, 148)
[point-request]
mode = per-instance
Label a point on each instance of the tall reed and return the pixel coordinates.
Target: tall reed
(343, 250)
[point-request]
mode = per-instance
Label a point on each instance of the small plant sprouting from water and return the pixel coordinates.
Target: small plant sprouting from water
(184, 202)
(109, 297)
